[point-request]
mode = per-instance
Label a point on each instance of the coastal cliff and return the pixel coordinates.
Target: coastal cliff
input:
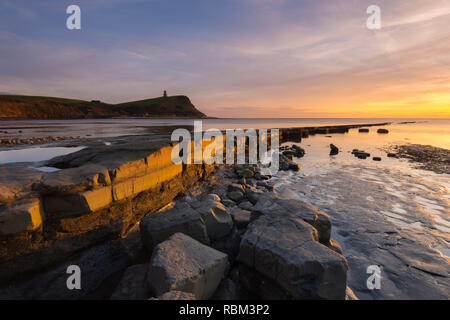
(34, 107)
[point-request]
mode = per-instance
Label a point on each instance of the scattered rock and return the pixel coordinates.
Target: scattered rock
(259, 176)
(253, 194)
(376, 159)
(294, 151)
(241, 217)
(228, 203)
(184, 264)
(426, 157)
(392, 155)
(236, 187)
(294, 166)
(236, 196)
(334, 150)
(286, 164)
(217, 220)
(360, 154)
(299, 152)
(211, 197)
(34, 140)
(246, 205)
(246, 173)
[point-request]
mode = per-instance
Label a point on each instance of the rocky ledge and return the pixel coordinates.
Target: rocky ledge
(228, 237)
(232, 238)
(109, 211)
(425, 157)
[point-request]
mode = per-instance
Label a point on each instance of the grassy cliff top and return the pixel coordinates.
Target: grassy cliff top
(38, 107)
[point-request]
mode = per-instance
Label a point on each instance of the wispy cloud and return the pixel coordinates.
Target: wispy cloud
(269, 58)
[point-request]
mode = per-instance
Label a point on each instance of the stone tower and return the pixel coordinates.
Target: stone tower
(165, 94)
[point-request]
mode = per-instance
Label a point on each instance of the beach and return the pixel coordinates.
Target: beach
(387, 213)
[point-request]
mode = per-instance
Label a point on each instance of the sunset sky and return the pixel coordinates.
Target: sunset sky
(235, 58)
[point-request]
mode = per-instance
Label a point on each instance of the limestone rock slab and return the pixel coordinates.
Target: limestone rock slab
(159, 226)
(184, 264)
(286, 251)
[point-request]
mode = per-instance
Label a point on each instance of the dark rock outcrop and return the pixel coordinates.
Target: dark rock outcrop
(184, 264)
(161, 225)
(286, 252)
(333, 150)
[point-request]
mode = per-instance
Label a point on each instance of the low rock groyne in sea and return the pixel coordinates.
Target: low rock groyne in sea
(126, 213)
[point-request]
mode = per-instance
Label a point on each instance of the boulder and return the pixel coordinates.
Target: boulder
(253, 194)
(236, 187)
(133, 285)
(236, 196)
(286, 251)
(382, 131)
(293, 151)
(184, 264)
(333, 150)
(246, 173)
(245, 205)
(271, 205)
(159, 226)
(212, 197)
(217, 220)
(241, 217)
(228, 203)
(391, 155)
(292, 166)
(259, 176)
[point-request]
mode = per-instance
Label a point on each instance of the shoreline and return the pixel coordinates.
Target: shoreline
(134, 189)
(49, 217)
(289, 133)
